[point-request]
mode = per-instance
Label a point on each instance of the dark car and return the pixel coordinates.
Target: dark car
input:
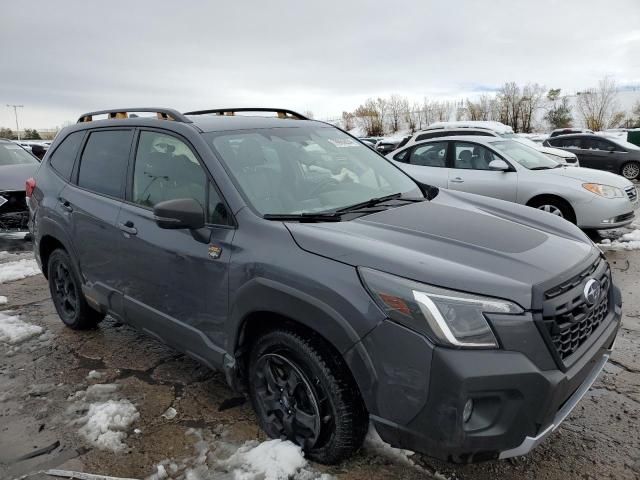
(568, 131)
(388, 145)
(16, 166)
(324, 282)
(602, 153)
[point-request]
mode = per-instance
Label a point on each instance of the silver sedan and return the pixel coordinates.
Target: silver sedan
(509, 170)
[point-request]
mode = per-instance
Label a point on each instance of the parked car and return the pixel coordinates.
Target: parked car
(369, 142)
(16, 166)
(325, 282)
(508, 170)
(568, 131)
(387, 145)
(602, 153)
(489, 129)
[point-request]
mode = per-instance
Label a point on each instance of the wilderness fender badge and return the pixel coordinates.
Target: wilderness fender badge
(214, 252)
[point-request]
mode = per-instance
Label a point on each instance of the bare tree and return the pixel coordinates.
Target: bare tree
(509, 98)
(308, 113)
(396, 105)
(531, 101)
(598, 106)
(418, 115)
(371, 116)
(348, 120)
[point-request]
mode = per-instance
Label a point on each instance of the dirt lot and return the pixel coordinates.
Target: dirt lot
(41, 413)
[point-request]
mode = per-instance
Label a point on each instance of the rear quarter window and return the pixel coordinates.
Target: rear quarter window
(64, 156)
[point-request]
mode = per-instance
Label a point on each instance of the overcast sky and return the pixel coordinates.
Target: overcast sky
(60, 58)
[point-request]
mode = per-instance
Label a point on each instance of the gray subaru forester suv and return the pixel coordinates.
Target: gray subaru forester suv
(327, 284)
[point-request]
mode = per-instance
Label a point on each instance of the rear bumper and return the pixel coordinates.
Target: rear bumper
(517, 403)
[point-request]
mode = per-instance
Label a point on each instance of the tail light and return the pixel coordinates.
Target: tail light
(30, 186)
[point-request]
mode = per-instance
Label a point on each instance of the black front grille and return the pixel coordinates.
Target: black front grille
(632, 193)
(14, 213)
(567, 317)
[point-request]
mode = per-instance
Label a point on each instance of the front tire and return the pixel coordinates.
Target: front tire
(630, 170)
(555, 206)
(302, 393)
(66, 293)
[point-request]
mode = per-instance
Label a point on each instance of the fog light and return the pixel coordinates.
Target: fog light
(467, 411)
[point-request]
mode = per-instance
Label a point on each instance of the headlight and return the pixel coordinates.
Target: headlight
(605, 191)
(449, 318)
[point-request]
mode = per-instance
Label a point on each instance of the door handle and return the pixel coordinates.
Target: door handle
(128, 227)
(457, 180)
(65, 204)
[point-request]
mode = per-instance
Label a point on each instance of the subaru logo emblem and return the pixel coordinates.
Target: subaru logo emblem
(592, 291)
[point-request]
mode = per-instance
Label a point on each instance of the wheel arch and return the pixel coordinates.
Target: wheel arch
(264, 305)
(541, 197)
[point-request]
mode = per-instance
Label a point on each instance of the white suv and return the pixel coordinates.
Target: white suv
(489, 129)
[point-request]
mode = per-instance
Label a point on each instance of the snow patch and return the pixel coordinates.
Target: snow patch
(216, 458)
(625, 241)
(94, 375)
(104, 418)
(14, 331)
(106, 424)
(374, 443)
(3, 300)
(271, 460)
(10, 271)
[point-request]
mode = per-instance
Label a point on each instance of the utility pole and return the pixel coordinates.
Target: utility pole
(15, 112)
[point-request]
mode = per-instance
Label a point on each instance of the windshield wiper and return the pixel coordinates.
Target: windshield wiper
(304, 217)
(372, 202)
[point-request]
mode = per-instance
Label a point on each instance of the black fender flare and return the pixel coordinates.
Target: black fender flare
(266, 295)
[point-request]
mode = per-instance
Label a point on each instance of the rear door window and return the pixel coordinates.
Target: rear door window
(103, 166)
(430, 155)
(63, 158)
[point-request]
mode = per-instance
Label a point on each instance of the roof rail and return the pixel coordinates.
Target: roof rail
(120, 113)
(282, 112)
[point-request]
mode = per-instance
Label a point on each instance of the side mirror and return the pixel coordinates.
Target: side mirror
(179, 213)
(498, 165)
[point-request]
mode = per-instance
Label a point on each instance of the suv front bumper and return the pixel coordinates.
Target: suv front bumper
(517, 402)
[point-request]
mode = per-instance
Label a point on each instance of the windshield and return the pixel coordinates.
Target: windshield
(12, 154)
(306, 169)
(526, 156)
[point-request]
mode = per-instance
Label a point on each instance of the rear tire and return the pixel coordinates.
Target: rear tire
(555, 206)
(66, 293)
(630, 170)
(302, 393)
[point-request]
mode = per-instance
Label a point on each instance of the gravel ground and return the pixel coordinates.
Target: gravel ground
(41, 413)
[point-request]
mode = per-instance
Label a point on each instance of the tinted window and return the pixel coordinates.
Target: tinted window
(64, 156)
(427, 136)
(598, 144)
(430, 155)
(571, 142)
(13, 154)
(218, 213)
(473, 156)
(402, 156)
(103, 166)
(471, 132)
(166, 169)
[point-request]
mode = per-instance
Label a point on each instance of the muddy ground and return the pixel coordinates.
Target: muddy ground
(601, 438)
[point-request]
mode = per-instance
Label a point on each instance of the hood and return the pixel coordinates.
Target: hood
(457, 240)
(13, 177)
(590, 175)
